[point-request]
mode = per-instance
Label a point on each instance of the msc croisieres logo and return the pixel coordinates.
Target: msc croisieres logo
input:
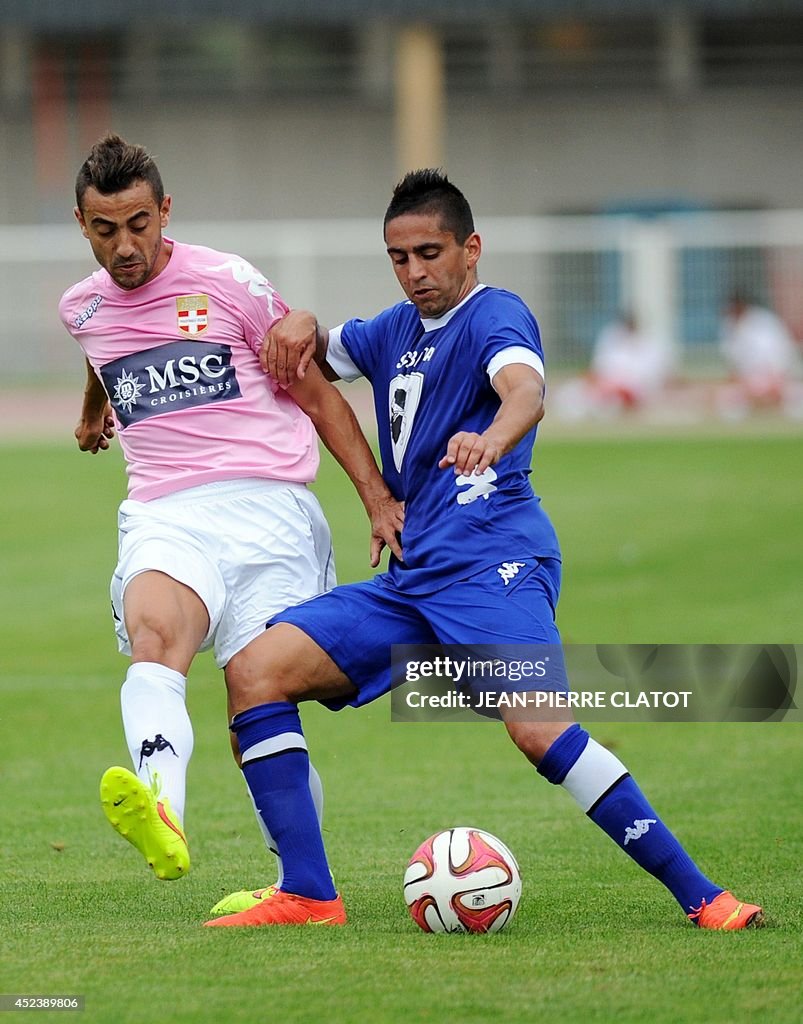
(126, 391)
(88, 313)
(178, 375)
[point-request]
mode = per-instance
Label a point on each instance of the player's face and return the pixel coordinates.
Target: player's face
(125, 232)
(434, 269)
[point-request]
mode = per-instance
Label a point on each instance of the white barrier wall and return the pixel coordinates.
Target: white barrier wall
(576, 273)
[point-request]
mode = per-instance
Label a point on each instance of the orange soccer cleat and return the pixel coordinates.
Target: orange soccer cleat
(726, 914)
(280, 907)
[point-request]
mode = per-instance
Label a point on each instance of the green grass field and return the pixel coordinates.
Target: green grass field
(664, 541)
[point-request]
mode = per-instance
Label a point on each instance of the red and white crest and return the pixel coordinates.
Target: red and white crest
(193, 313)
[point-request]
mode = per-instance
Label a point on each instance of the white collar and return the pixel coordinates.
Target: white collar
(435, 323)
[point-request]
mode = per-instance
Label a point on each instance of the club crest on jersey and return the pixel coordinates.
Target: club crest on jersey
(404, 395)
(193, 314)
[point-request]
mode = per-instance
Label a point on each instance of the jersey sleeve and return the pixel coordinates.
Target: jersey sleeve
(76, 306)
(338, 358)
(361, 342)
(258, 302)
(507, 333)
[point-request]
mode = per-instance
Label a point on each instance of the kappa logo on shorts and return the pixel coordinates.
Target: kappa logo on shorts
(509, 570)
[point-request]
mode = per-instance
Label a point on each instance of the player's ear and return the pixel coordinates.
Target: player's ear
(473, 247)
(80, 218)
(164, 210)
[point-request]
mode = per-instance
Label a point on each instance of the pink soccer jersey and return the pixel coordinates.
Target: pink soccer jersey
(178, 358)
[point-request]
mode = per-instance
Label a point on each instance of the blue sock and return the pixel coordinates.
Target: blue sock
(600, 783)
(276, 767)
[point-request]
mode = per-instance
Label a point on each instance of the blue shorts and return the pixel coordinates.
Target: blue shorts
(357, 623)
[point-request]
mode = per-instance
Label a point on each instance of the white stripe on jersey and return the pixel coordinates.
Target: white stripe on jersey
(339, 359)
(515, 354)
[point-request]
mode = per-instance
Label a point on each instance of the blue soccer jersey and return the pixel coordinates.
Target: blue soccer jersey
(430, 380)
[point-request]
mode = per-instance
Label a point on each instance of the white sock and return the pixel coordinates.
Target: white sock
(157, 728)
(316, 788)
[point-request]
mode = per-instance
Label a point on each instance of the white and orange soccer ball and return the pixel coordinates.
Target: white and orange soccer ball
(462, 880)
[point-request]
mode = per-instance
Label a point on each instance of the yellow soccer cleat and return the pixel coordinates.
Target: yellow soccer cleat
(148, 823)
(237, 902)
(726, 914)
(285, 908)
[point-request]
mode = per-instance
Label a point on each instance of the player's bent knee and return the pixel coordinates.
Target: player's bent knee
(165, 620)
(535, 738)
(282, 664)
(249, 683)
(155, 642)
(265, 670)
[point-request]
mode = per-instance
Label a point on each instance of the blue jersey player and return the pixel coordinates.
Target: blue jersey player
(458, 379)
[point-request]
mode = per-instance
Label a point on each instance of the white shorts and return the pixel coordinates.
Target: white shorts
(248, 548)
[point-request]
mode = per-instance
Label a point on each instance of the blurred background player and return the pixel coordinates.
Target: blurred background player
(761, 356)
(629, 369)
(458, 378)
(630, 366)
(220, 530)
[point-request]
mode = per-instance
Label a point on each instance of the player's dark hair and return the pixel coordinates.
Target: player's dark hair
(430, 191)
(114, 165)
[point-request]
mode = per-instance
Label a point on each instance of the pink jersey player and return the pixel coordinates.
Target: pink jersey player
(220, 530)
(178, 358)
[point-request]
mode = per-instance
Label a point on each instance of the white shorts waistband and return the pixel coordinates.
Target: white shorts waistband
(223, 489)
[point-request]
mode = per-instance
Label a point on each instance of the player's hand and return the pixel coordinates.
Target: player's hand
(470, 453)
(93, 433)
(289, 346)
(387, 520)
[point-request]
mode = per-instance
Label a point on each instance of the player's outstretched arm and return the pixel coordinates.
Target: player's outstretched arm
(95, 427)
(522, 392)
(290, 346)
(339, 430)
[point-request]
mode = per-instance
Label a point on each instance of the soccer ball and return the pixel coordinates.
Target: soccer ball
(462, 880)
